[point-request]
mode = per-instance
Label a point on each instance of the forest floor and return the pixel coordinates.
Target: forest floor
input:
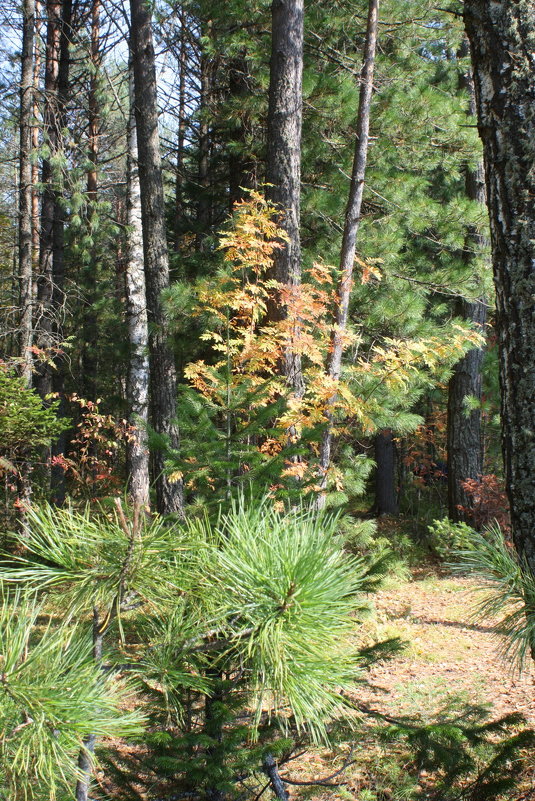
(450, 662)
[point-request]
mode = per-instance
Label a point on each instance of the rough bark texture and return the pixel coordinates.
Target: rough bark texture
(138, 368)
(162, 365)
(283, 172)
(25, 191)
(45, 284)
(205, 200)
(241, 165)
(351, 226)
(465, 440)
(90, 271)
(386, 501)
(502, 43)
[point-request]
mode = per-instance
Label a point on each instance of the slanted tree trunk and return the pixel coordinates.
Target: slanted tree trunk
(465, 440)
(386, 497)
(138, 335)
(502, 44)
(25, 191)
(351, 226)
(283, 173)
(162, 366)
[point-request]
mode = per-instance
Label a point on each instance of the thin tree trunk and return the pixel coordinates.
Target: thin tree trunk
(138, 367)
(50, 135)
(204, 202)
(283, 173)
(386, 500)
(85, 757)
(502, 44)
(25, 192)
(90, 326)
(35, 146)
(162, 365)
(349, 239)
(241, 166)
(465, 440)
(180, 166)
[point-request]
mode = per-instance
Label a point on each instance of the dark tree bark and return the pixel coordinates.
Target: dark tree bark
(465, 440)
(386, 500)
(45, 284)
(162, 365)
(51, 279)
(90, 271)
(25, 191)
(351, 226)
(283, 173)
(138, 334)
(204, 201)
(180, 163)
(502, 44)
(241, 165)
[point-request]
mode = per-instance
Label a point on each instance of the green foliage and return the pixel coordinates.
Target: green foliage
(25, 424)
(508, 590)
(462, 753)
(52, 696)
(90, 559)
(446, 537)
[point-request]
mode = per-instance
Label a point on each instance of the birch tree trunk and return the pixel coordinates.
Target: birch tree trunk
(351, 226)
(283, 173)
(138, 334)
(25, 192)
(162, 366)
(502, 44)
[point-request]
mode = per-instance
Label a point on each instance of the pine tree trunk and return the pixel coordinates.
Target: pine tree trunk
(90, 272)
(283, 173)
(465, 440)
(241, 166)
(180, 162)
(386, 501)
(204, 202)
(51, 137)
(351, 226)
(25, 192)
(502, 44)
(162, 365)
(138, 367)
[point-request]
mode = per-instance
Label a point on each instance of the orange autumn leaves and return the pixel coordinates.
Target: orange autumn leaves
(248, 346)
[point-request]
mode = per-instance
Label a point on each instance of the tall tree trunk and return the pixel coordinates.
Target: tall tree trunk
(465, 441)
(51, 138)
(283, 173)
(351, 226)
(386, 500)
(25, 192)
(180, 165)
(204, 202)
(90, 272)
(35, 146)
(51, 280)
(502, 44)
(241, 166)
(162, 365)
(138, 334)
